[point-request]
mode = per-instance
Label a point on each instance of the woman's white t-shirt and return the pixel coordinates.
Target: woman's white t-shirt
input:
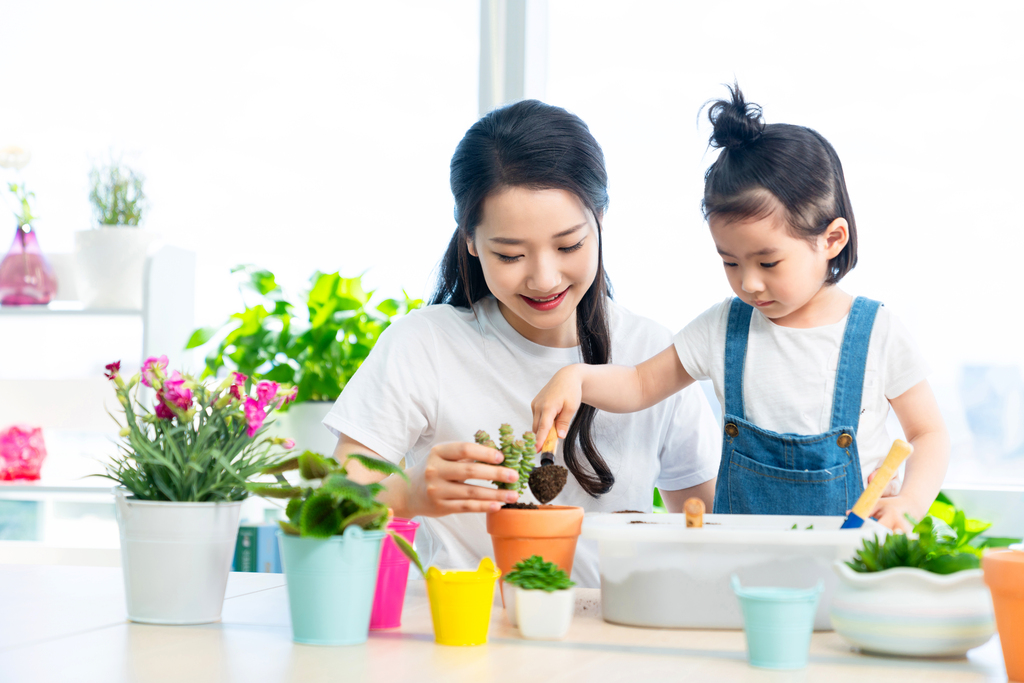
(441, 373)
(789, 374)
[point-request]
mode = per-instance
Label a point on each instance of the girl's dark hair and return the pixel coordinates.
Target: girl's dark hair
(537, 146)
(762, 167)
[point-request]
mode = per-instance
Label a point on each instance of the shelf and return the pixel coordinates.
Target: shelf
(66, 308)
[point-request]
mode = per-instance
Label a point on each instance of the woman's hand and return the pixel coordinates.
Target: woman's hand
(557, 402)
(437, 485)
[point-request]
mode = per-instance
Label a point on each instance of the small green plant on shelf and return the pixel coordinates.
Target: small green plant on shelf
(519, 454)
(944, 542)
(116, 195)
(534, 573)
(316, 343)
(335, 502)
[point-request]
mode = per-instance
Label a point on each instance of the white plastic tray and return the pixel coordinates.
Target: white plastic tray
(659, 573)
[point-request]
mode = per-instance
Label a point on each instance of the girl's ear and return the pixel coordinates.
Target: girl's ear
(471, 247)
(835, 237)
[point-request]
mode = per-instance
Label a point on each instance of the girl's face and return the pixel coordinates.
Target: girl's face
(538, 250)
(778, 274)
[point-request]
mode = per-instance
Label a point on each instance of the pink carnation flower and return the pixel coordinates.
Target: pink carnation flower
(288, 444)
(161, 410)
(266, 391)
(149, 368)
(254, 415)
(174, 390)
(239, 383)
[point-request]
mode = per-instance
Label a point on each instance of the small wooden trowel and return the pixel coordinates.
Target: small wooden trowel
(548, 480)
(866, 503)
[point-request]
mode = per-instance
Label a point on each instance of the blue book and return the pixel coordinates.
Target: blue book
(268, 555)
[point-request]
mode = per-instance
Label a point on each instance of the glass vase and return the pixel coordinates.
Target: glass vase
(26, 277)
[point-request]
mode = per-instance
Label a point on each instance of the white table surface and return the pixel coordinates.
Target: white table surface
(68, 625)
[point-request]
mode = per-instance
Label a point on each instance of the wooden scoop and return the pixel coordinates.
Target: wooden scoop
(899, 452)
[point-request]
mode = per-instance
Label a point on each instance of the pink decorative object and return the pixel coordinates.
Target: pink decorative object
(21, 452)
(25, 275)
(392, 575)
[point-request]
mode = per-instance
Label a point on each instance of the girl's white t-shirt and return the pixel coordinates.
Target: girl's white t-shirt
(441, 373)
(789, 374)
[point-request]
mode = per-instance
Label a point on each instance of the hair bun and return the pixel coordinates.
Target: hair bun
(736, 123)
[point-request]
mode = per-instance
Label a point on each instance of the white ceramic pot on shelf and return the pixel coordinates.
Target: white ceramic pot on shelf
(912, 612)
(544, 615)
(109, 263)
(175, 558)
(303, 422)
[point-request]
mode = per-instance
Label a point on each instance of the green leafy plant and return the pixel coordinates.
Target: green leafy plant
(317, 344)
(116, 195)
(23, 214)
(335, 503)
(519, 454)
(947, 541)
(534, 573)
(408, 551)
(199, 443)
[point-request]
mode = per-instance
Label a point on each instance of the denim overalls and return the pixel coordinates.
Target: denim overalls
(788, 474)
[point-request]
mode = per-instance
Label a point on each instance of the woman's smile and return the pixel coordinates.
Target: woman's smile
(547, 304)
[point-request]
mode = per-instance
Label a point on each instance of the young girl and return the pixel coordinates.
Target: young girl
(805, 372)
(521, 293)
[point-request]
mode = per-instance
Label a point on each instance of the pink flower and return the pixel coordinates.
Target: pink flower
(175, 391)
(288, 444)
(161, 409)
(150, 369)
(238, 380)
(254, 415)
(112, 369)
(286, 397)
(266, 391)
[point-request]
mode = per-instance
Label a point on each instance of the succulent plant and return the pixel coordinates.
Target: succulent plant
(534, 573)
(519, 454)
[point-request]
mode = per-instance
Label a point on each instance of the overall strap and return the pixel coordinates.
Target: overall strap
(735, 355)
(852, 357)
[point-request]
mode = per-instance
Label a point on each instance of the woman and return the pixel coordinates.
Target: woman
(521, 293)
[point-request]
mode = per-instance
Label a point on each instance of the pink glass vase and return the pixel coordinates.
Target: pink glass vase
(21, 452)
(25, 275)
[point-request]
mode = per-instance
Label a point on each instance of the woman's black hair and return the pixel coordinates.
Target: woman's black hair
(537, 146)
(762, 167)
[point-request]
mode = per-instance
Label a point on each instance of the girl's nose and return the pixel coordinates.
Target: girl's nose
(751, 282)
(544, 277)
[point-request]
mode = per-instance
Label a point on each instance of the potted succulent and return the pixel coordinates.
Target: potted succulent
(316, 343)
(520, 530)
(330, 546)
(540, 599)
(460, 600)
(109, 258)
(182, 470)
(919, 594)
(26, 276)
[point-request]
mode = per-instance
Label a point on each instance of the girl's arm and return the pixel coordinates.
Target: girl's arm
(437, 486)
(611, 388)
(922, 423)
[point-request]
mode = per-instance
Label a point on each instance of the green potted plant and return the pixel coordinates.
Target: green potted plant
(110, 257)
(540, 599)
(918, 594)
(316, 342)
(182, 469)
(522, 529)
(330, 545)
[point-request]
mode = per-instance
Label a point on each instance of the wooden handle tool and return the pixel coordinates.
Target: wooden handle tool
(694, 509)
(899, 452)
(547, 451)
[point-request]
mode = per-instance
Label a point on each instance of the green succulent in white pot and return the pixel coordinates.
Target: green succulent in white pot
(110, 257)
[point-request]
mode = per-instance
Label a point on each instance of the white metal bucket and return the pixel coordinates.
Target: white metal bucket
(176, 558)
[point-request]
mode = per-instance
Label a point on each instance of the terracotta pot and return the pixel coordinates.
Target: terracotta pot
(1004, 574)
(549, 531)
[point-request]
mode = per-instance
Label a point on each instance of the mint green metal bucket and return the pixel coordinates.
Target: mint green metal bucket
(331, 583)
(778, 623)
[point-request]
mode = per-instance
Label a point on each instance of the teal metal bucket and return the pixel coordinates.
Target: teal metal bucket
(778, 623)
(331, 584)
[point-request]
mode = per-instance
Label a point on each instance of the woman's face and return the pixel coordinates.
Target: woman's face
(538, 250)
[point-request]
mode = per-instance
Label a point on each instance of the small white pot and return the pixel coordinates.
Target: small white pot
(109, 263)
(303, 422)
(544, 615)
(508, 598)
(175, 558)
(909, 611)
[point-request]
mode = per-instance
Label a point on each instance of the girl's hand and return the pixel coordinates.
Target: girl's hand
(437, 485)
(891, 488)
(891, 512)
(557, 403)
